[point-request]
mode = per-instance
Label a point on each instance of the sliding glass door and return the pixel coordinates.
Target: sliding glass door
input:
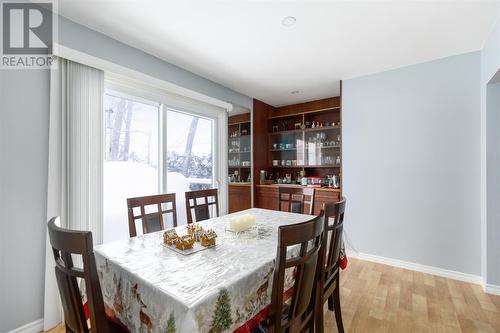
(131, 158)
(152, 148)
(189, 155)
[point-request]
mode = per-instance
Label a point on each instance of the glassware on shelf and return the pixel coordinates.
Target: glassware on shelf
(234, 146)
(327, 160)
(234, 162)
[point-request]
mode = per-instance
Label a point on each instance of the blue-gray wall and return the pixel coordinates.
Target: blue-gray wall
(490, 158)
(412, 163)
(24, 111)
(493, 184)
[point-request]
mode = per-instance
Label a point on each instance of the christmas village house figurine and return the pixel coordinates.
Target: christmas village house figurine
(194, 231)
(207, 238)
(170, 237)
(185, 242)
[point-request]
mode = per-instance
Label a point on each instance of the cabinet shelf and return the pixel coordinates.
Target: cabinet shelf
(239, 137)
(305, 148)
(306, 130)
(306, 166)
(326, 147)
(306, 112)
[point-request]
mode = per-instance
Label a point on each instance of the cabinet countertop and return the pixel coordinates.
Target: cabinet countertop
(326, 189)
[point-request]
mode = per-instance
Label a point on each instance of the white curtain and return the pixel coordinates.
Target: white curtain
(75, 162)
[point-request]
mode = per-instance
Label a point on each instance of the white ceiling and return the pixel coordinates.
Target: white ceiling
(243, 45)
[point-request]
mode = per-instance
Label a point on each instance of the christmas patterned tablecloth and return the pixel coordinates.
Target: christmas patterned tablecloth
(150, 288)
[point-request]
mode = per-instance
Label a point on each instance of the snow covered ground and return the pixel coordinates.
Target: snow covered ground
(123, 180)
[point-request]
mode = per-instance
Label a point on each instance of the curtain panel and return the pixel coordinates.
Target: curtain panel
(75, 169)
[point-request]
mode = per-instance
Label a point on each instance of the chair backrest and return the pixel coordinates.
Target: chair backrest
(151, 221)
(295, 200)
(201, 209)
(66, 243)
(300, 314)
(332, 241)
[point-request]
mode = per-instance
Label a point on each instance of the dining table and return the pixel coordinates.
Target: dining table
(149, 287)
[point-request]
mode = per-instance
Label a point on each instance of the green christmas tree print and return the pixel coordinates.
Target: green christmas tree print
(171, 324)
(221, 318)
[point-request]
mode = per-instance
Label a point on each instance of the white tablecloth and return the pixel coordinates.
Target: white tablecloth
(150, 288)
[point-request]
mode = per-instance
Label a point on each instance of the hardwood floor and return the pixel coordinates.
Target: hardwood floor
(381, 298)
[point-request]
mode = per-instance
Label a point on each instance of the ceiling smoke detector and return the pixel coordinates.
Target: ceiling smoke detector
(289, 21)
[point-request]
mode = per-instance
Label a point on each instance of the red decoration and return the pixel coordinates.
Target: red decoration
(343, 262)
(86, 310)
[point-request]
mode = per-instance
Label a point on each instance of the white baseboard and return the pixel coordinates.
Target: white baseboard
(33, 327)
(492, 289)
(476, 279)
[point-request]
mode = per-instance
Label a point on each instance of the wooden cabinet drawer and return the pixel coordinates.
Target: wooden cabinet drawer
(239, 198)
(267, 197)
(322, 197)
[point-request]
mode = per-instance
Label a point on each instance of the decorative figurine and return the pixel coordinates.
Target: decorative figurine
(194, 230)
(207, 238)
(185, 243)
(170, 237)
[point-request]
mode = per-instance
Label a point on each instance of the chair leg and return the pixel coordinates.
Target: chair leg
(338, 312)
(330, 303)
(311, 328)
(68, 330)
(320, 317)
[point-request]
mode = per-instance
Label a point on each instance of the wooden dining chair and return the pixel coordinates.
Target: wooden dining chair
(151, 221)
(299, 314)
(201, 209)
(330, 278)
(66, 243)
(296, 200)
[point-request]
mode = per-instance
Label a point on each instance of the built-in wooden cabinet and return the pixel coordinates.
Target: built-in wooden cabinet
(239, 162)
(289, 142)
(296, 141)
